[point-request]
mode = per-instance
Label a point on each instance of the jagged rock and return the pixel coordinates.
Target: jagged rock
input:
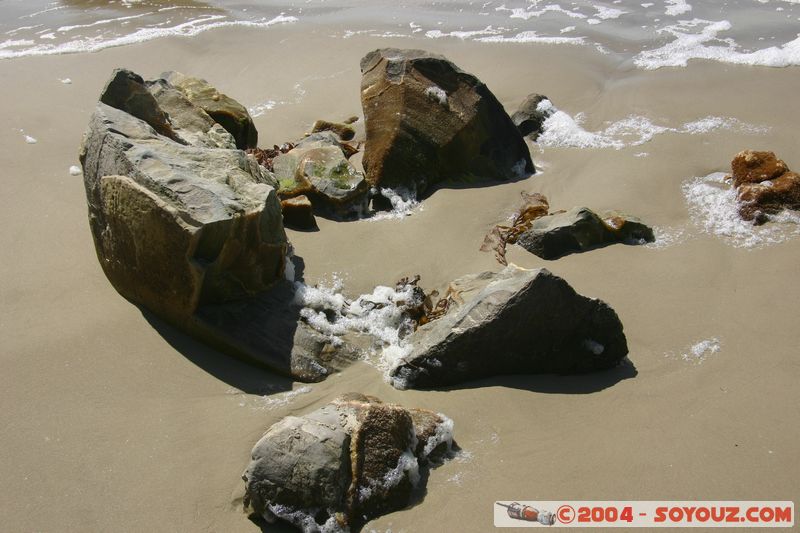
(194, 233)
(215, 214)
(529, 118)
(515, 321)
(190, 123)
(765, 185)
(317, 167)
(343, 131)
(749, 166)
(581, 229)
(427, 121)
(298, 213)
(229, 113)
(334, 468)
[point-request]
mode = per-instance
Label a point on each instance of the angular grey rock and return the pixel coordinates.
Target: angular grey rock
(529, 118)
(429, 121)
(515, 321)
(334, 468)
(229, 113)
(581, 229)
(191, 229)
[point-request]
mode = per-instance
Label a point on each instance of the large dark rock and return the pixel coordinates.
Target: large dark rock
(516, 321)
(429, 121)
(190, 228)
(530, 116)
(765, 185)
(581, 229)
(336, 467)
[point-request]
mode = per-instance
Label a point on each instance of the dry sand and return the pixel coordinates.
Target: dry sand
(112, 421)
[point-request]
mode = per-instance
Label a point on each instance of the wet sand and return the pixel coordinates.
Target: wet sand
(112, 420)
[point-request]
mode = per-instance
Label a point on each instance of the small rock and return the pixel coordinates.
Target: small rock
(344, 131)
(298, 213)
(765, 185)
(581, 229)
(529, 118)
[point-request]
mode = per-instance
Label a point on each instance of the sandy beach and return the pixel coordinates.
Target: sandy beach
(114, 421)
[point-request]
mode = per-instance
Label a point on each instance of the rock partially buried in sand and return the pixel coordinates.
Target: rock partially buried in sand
(428, 121)
(343, 131)
(515, 321)
(229, 113)
(194, 233)
(530, 116)
(336, 467)
(765, 185)
(581, 229)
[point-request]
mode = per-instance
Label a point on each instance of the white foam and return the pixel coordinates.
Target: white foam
(438, 34)
(714, 209)
(608, 13)
(698, 352)
(562, 130)
(689, 45)
(74, 170)
(404, 203)
(525, 14)
(65, 81)
(381, 315)
(666, 237)
(93, 44)
(532, 37)
(676, 7)
(259, 109)
(30, 140)
(275, 401)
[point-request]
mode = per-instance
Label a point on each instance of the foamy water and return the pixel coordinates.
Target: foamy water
(714, 210)
(663, 33)
(698, 352)
(561, 130)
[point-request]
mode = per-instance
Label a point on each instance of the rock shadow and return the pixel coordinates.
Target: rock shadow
(258, 332)
(553, 383)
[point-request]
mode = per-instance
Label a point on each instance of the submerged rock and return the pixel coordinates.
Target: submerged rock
(581, 229)
(351, 460)
(529, 118)
(515, 321)
(317, 167)
(229, 113)
(765, 185)
(428, 121)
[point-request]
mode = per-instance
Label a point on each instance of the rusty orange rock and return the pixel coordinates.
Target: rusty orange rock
(750, 166)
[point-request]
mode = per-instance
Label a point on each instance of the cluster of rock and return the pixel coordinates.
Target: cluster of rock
(187, 215)
(335, 468)
(554, 235)
(764, 185)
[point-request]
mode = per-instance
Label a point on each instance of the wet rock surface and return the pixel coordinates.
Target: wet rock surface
(338, 466)
(530, 117)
